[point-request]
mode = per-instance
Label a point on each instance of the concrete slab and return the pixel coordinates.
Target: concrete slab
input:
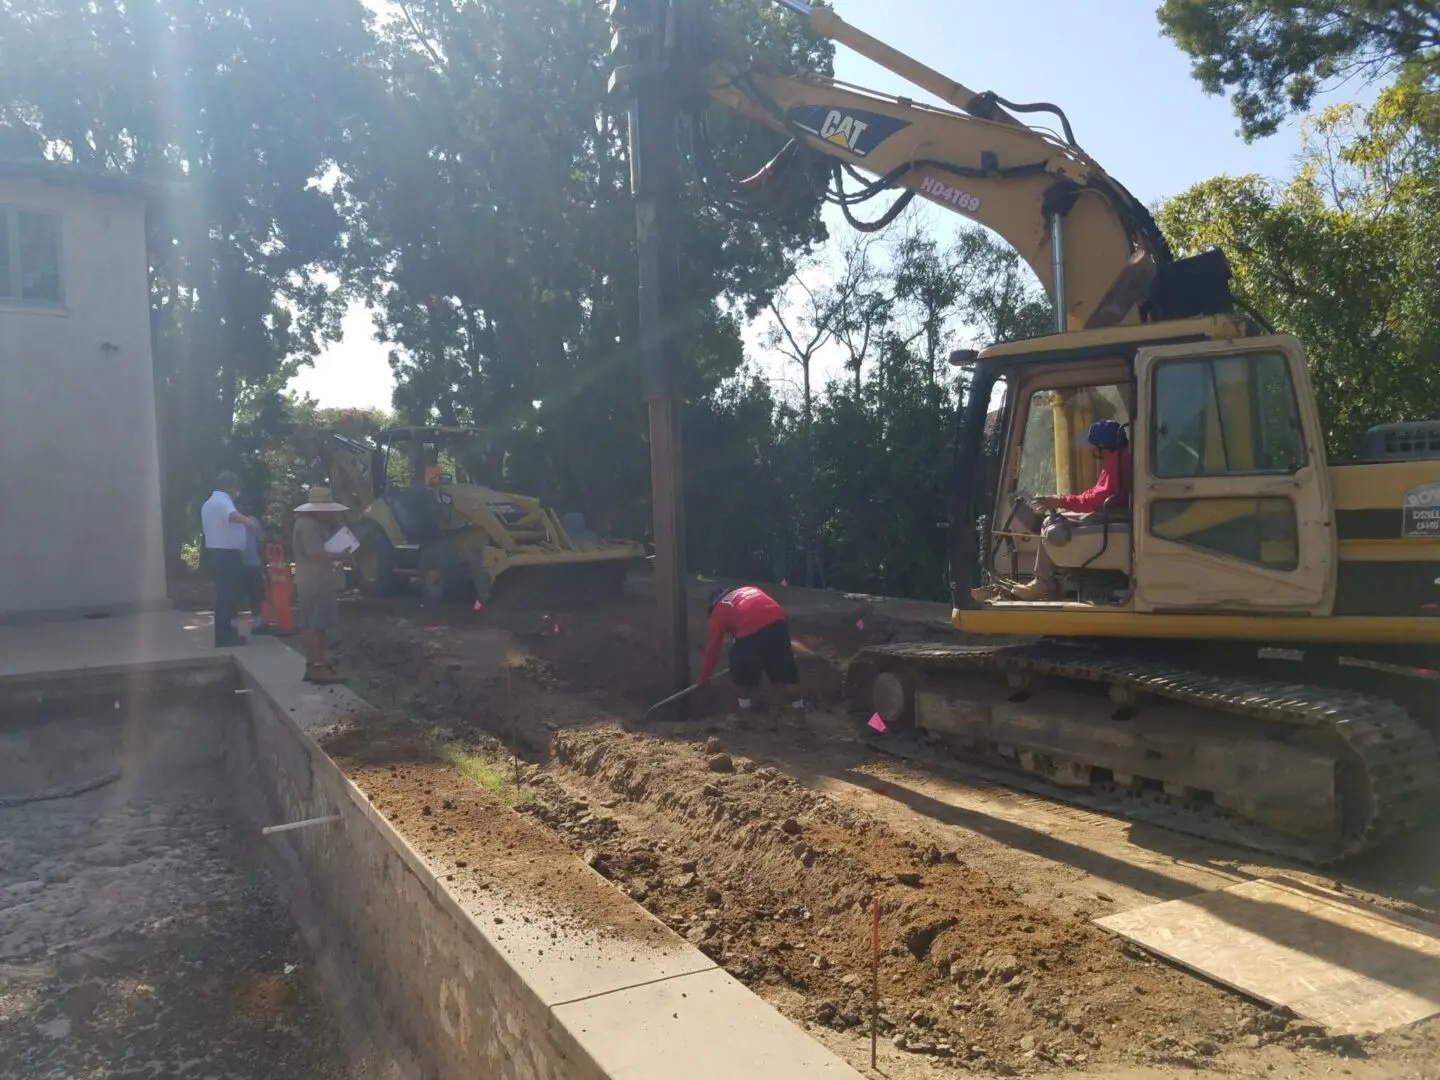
(97, 645)
(1331, 958)
(562, 963)
(705, 1026)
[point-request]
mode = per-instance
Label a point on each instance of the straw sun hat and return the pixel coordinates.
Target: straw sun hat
(320, 500)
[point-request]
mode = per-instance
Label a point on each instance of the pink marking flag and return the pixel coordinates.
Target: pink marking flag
(557, 629)
(859, 624)
(877, 723)
(478, 605)
(784, 583)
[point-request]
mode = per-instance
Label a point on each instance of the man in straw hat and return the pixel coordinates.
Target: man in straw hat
(317, 579)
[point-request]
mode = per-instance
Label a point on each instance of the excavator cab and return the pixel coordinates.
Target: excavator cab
(1228, 507)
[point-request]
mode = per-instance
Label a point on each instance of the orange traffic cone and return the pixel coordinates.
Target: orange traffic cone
(279, 588)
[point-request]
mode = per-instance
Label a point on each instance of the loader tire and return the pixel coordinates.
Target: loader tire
(375, 561)
(441, 574)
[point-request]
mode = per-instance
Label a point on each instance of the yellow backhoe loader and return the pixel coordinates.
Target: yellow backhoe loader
(1148, 681)
(423, 508)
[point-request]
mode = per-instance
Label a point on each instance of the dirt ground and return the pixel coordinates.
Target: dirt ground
(508, 741)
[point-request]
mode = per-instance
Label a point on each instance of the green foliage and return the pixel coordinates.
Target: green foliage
(493, 775)
(851, 492)
(493, 229)
(280, 446)
(1274, 56)
(1344, 257)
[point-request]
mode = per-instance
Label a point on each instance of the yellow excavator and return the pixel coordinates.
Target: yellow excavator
(1243, 646)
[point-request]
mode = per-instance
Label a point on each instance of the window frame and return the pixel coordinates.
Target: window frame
(1110, 371)
(11, 212)
(1208, 361)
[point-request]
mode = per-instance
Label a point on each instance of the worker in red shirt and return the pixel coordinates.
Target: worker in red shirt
(1108, 499)
(762, 643)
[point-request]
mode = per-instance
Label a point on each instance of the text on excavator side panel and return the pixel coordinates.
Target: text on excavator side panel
(956, 197)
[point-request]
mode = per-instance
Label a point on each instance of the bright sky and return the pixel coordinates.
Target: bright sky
(1126, 89)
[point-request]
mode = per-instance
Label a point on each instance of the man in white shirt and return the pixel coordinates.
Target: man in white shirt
(225, 538)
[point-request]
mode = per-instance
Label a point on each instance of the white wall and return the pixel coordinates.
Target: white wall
(79, 469)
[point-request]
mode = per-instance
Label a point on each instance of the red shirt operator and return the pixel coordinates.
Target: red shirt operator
(741, 612)
(1110, 490)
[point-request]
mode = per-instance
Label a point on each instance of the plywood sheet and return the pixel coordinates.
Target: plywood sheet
(1330, 958)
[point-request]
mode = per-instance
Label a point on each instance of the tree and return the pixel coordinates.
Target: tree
(862, 307)
(493, 231)
(1344, 257)
(929, 282)
(1275, 56)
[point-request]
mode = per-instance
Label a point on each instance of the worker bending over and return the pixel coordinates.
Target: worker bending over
(1106, 505)
(762, 643)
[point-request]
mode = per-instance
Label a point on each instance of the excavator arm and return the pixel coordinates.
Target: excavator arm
(1093, 246)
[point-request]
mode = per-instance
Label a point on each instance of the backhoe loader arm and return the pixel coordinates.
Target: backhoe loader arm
(1093, 246)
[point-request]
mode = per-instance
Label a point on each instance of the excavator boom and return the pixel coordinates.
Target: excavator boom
(1092, 244)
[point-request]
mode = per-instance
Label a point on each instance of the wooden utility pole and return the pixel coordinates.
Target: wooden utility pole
(643, 47)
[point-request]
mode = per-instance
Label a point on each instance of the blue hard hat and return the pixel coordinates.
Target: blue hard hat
(1106, 435)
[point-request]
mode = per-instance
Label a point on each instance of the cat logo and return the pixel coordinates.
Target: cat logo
(857, 131)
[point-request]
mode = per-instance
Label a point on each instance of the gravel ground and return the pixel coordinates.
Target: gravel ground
(138, 938)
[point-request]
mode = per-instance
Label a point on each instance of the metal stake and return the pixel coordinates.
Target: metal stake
(874, 983)
(270, 830)
(514, 724)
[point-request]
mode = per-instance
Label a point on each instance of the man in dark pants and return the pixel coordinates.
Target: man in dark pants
(224, 528)
(252, 574)
(762, 643)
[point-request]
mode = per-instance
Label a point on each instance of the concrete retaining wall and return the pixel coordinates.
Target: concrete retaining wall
(432, 996)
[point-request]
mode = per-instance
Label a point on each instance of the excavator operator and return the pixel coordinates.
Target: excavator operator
(1106, 505)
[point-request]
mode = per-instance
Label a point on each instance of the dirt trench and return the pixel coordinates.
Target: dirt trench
(768, 875)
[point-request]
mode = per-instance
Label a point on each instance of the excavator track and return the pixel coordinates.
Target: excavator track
(1388, 764)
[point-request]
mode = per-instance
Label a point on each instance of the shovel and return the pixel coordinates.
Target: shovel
(654, 712)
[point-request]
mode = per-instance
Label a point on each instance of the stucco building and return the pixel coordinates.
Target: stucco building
(79, 465)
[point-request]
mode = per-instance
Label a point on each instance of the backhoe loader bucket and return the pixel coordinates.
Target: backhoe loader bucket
(556, 584)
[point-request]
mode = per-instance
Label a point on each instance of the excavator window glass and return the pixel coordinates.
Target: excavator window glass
(1261, 531)
(1221, 415)
(1053, 459)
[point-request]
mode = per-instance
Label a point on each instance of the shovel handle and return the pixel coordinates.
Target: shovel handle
(682, 694)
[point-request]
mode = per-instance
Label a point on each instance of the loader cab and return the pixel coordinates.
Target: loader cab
(1229, 507)
(415, 468)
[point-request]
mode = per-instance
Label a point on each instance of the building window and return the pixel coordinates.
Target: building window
(29, 256)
